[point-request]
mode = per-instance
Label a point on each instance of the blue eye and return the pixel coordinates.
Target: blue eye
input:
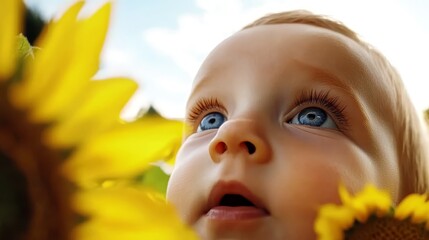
(211, 121)
(315, 117)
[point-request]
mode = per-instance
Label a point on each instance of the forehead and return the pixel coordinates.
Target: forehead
(318, 49)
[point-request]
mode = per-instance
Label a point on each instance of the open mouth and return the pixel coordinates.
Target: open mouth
(235, 200)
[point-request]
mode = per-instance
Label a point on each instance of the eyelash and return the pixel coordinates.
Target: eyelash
(322, 98)
(204, 105)
(331, 104)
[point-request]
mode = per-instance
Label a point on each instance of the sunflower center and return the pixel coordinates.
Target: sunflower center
(387, 228)
(14, 200)
(35, 206)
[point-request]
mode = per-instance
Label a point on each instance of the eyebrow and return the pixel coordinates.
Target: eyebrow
(327, 77)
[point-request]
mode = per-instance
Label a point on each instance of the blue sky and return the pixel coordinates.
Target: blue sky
(161, 43)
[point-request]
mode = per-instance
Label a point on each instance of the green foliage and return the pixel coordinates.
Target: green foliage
(25, 52)
(24, 47)
(155, 178)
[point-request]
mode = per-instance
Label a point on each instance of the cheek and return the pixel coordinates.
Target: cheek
(305, 179)
(186, 185)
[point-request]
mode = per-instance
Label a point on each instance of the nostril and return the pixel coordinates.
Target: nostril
(250, 147)
(221, 147)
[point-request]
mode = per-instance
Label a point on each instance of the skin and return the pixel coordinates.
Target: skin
(256, 75)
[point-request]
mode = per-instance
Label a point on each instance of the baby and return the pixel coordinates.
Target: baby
(280, 114)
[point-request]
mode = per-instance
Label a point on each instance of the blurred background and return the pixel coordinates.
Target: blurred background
(162, 43)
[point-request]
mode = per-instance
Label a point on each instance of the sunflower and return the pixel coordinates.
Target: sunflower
(370, 214)
(69, 166)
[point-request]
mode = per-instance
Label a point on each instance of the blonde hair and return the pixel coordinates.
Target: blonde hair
(410, 136)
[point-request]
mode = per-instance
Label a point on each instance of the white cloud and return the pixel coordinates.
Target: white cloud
(116, 57)
(190, 43)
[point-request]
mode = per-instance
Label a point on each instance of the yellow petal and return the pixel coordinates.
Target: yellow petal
(368, 201)
(421, 213)
(332, 221)
(358, 207)
(56, 43)
(409, 205)
(375, 200)
(127, 213)
(89, 40)
(10, 25)
(124, 151)
(325, 230)
(94, 229)
(339, 215)
(137, 206)
(361, 212)
(94, 111)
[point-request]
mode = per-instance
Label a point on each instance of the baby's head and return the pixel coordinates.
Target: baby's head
(280, 114)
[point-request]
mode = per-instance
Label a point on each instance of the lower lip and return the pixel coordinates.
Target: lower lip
(235, 213)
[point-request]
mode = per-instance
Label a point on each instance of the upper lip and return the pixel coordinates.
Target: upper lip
(222, 188)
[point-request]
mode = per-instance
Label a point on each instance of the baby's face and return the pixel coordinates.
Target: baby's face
(280, 115)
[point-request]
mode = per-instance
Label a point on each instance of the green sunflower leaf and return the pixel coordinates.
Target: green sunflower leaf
(24, 47)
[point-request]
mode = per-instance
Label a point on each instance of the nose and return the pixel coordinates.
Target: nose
(240, 137)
